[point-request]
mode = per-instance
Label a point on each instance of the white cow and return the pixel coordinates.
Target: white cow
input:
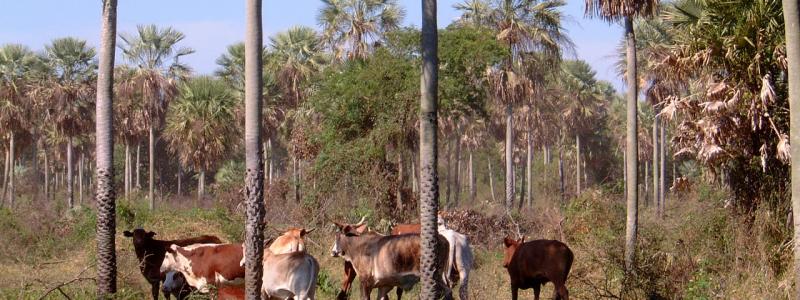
(460, 259)
(289, 276)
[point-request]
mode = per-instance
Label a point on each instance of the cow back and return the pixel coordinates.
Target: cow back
(540, 261)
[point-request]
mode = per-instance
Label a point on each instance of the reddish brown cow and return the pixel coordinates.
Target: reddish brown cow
(532, 264)
(230, 292)
(406, 229)
(206, 264)
(150, 253)
(350, 273)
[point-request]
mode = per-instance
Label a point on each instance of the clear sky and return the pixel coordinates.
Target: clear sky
(212, 25)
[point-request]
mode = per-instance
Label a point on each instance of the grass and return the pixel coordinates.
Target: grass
(698, 251)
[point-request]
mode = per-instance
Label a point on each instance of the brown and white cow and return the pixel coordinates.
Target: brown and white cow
(151, 252)
(385, 262)
(205, 264)
(532, 264)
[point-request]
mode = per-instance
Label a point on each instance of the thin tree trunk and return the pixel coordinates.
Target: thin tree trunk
(431, 287)
(791, 16)
(457, 173)
(46, 175)
(656, 164)
(151, 164)
(545, 155)
(414, 174)
(201, 185)
(521, 185)
(180, 177)
(265, 159)
(577, 164)
(472, 186)
(561, 186)
(127, 172)
(509, 157)
(448, 173)
(646, 181)
(271, 159)
(254, 181)
(296, 179)
(632, 218)
(662, 171)
(399, 196)
(106, 218)
(70, 172)
(80, 180)
(6, 169)
(138, 164)
(491, 180)
(11, 191)
(529, 172)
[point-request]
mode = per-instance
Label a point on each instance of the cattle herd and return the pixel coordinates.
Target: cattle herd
(205, 264)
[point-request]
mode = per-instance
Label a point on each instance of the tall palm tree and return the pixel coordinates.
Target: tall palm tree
(428, 120)
(583, 100)
(68, 95)
(156, 55)
(791, 16)
(254, 180)
(104, 153)
(350, 27)
(628, 10)
(201, 125)
(474, 13)
(16, 61)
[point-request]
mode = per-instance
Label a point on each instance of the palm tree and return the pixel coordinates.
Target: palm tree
(104, 153)
(791, 16)
(429, 189)
(68, 95)
(583, 100)
(16, 61)
(612, 11)
(201, 125)
(474, 13)
(254, 181)
(155, 54)
(350, 27)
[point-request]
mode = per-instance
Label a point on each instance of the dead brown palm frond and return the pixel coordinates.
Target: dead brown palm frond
(767, 94)
(783, 149)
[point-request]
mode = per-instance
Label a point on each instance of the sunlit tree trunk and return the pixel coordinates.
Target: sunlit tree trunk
(509, 157)
(457, 169)
(561, 186)
(127, 177)
(11, 191)
(46, 175)
(271, 159)
(646, 181)
(6, 167)
(662, 171)
(632, 218)
(80, 180)
(151, 164)
(180, 178)
(254, 181)
(529, 172)
(577, 164)
(448, 172)
(201, 185)
(414, 174)
(791, 17)
(472, 186)
(656, 164)
(491, 180)
(70, 171)
(138, 163)
(105, 198)
(399, 195)
(296, 179)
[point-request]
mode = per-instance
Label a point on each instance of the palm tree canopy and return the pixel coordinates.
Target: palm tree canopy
(614, 10)
(350, 27)
(295, 55)
(156, 49)
(531, 26)
(474, 12)
(201, 124)
(16, 64)
(71, 59)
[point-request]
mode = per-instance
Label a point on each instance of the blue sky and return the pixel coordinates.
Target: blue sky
(212, 25)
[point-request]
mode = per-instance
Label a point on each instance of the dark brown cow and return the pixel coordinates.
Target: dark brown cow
(150, 253)
(205, 264)
(532, 264)
(385, 262)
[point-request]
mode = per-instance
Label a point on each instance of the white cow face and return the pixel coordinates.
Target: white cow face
(336, 249)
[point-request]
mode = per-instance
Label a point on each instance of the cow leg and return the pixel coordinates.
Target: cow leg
(514, 291)
(561, 291)
(154, 289)
(463, 287)
(349, 276)
(536, 289)
(383, 293)
(399, 293)
(366, 289)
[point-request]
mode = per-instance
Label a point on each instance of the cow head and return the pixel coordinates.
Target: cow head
(511, 247)
(139, 235)
(290, 241)
(175, 284)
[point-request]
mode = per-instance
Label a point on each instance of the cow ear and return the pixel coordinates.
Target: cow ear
(127, 233)
(360, 229)
(172, 248)
(339, 227)
(508, 242)
(305, 232)
(151, 234)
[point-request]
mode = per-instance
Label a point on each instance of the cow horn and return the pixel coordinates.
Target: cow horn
(363, 219)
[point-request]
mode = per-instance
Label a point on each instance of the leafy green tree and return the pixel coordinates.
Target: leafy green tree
(156, 56)
(201, 125)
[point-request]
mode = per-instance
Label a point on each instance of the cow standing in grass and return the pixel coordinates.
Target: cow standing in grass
(151, 252)
(532, 264)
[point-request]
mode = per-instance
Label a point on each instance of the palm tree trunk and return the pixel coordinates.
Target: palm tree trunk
(457, 169)
(509, 157)
(46, 175)
(577, 164)
(632, 218)
(662, 170)
(201, 185)
(491, 180)
(414, 175)
(152, 159)
(11, 191)
(127, 188)
(472, 186)
(399, 196)
(521, 185)
(296, 179)
(656, 165)
(6, 167)
(254, 181)
(271, 159)
(646, 181)
(105, 198)
(448, 173)
(791, 16)
(180, 177)
(70, 171)
(545, 155)
(529, 172)
(80, 180)
(561, 186)
(138, 164)
(266, 156)
(429, 194)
